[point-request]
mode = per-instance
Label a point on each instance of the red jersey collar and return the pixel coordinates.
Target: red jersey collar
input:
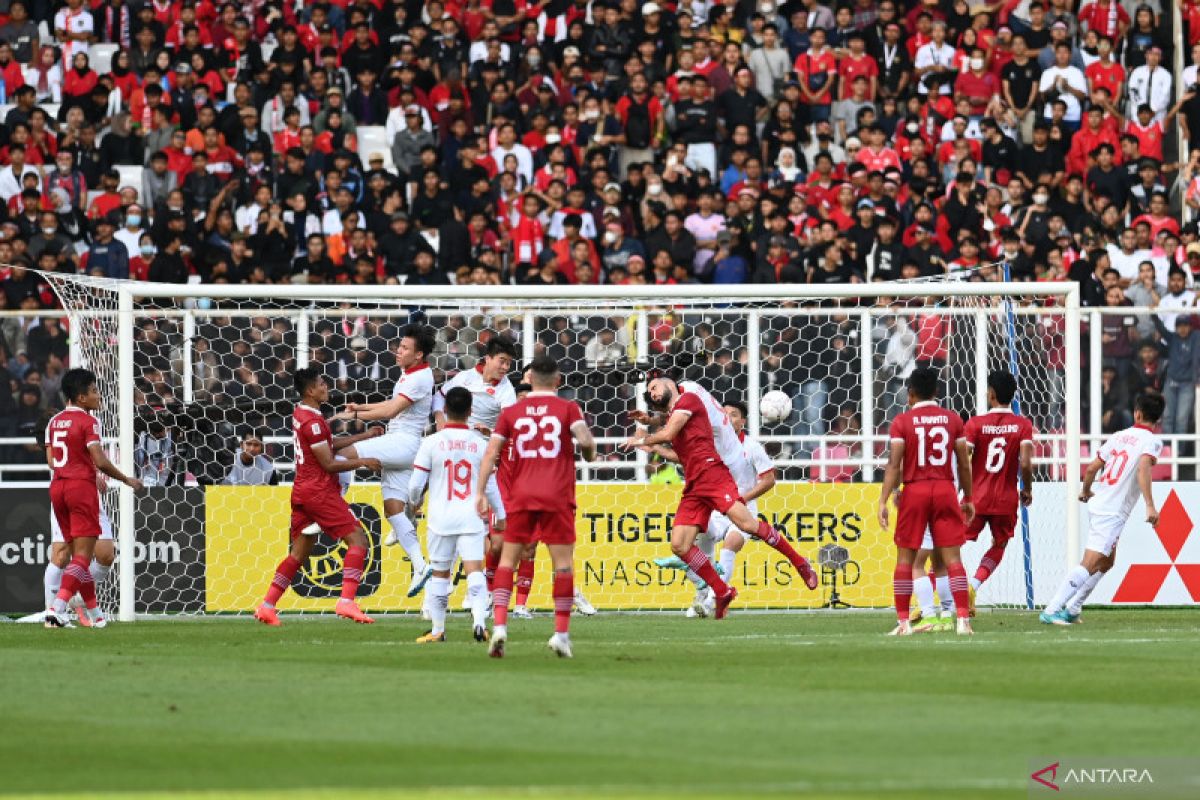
(455, 425)
(924, 403)
(741, 436)
(479, 369)
(1145, 428)
(417, 367)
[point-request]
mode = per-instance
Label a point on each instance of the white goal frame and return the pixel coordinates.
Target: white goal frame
(129, 292)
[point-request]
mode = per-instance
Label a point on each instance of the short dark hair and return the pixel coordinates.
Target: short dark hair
(1151, 404)
(741, 407)
(305, 379)
(422, 336)
(76, 382)
(923, 382)
(1003, 383)
(501, 344)
(458, 403)
(544, 366)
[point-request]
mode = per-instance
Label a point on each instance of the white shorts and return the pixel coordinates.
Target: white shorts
(106, 533)
(443, 548)
(395, 452)
(1103, 532)
(719, 525)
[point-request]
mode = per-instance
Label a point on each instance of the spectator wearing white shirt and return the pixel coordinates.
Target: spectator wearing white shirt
(74, 28)
(936, 58)
(1065, 82)
(1151, 84)
(1189, 73)
(12, 175)
(506, 145)
(1125, 257)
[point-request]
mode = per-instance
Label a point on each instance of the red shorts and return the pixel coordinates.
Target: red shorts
(76, 506)
(537, 525)
(329, 511)
(712, 491)
(933, 505)
(1001, 526)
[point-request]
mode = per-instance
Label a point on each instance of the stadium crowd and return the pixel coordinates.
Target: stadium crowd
(545, 142)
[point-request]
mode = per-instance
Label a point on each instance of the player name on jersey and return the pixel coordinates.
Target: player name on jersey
(998, 430)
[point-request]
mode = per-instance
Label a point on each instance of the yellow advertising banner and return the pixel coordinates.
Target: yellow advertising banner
(621, 529)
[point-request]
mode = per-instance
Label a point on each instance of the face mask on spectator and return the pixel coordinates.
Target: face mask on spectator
(534, 59)
(49, 231)
(134, 220)
(654, 188)
(553, 138)
(148, 250)
(589, 115)
(976, 63)
(912, 128)
(610, 237)
(1041, 199)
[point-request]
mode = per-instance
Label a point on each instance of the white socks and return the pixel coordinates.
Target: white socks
(52, 580)
(477, 592)
(975, 583)
(1076, 578)
(438, 592)
(923, 589)
(407, 534)
(99, 572)
(943, 592)
(728, 562)
(1076, 604)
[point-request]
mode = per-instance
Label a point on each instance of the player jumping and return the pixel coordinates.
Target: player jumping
(709, 486)
(923, 441)
(407, 414)
(1001, 443)
(449, 461)
(74, 453)
(1124, 467)
(541, 504)
(317, 497)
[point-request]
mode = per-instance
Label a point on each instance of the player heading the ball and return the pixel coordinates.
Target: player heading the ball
(925, 442)
(74, 453)
(543, 428)
(317, 498)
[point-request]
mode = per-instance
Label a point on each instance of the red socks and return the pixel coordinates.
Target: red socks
(778, 541)
(501, 593)
(77, 578)
(352, 571)
(283, 579)
(525, 571)
(700, 565)
(990, 561)
(490, 564)
(902, 587)
(564, 596)
(960, 589)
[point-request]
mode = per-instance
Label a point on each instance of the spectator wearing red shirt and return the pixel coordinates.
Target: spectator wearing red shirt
(876, 156)
(817, 70)
(977, 85)
(1105, 17)
(857, 62)
(1092, 135)
(1106, 73)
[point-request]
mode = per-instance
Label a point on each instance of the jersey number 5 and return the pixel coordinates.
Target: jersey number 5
(458, 474)
(60, 448)
(545, 432)
(933, 446)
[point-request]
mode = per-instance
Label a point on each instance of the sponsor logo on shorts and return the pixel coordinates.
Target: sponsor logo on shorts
(322, 575)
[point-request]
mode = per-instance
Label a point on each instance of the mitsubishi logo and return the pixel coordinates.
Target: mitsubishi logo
(1142, 582)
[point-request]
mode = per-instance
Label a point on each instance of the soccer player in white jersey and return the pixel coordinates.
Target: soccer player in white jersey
(1120, 471)
(408, 415)
(449, 462)
(732, 538)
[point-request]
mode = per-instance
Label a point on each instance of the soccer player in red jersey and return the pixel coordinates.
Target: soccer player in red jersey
(317, 498)
(540, 498)
(709, 487)
(924, 441)
(74, 453)
(1002, 444)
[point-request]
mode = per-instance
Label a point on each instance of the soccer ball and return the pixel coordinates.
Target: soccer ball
(774, 407)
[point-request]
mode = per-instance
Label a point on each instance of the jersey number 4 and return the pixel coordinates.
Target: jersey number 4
(539, 438)
(459, 482)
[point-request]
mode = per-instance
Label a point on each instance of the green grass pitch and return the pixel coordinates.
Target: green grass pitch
(813, 705)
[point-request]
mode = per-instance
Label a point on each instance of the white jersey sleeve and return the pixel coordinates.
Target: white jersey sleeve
(453, 457)
(417, 386)
(420, 473)
(487, 399)
(1116, 491)
(756, 454)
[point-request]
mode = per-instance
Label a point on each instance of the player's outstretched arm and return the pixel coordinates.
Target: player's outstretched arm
(764, 484)
(482, 505)
(324, 456)
(964, 477)
(371, 412)
(1145, 479)
(1089, 477)
(100, 459)
(891, 479)
(663, 452)
(664, 435)
(342, 442)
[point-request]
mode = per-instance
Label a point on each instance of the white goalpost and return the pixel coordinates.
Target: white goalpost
(187, 369)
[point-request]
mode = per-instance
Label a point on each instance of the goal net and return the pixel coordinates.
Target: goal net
(189, 372)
